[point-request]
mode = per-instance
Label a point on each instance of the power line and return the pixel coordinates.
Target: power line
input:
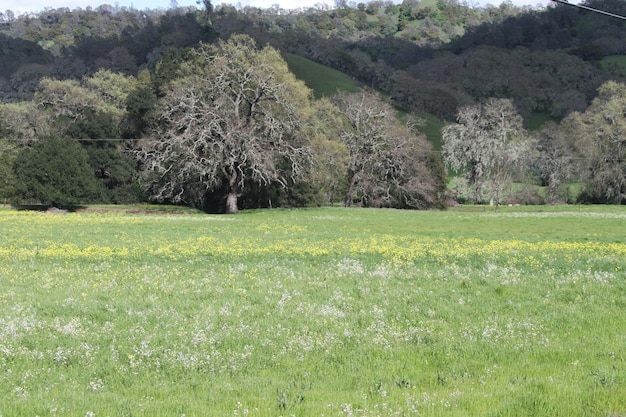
(82, 139)
(581, 6)
(423, 151)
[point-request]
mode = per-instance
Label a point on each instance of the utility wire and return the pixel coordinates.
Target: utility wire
(81, 139)
(591, 9)
(424, 151)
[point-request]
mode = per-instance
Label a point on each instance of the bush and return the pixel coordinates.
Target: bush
(116, 174)
(7, 181)
(54, 172)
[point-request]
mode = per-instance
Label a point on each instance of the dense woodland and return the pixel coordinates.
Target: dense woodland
(117, 105)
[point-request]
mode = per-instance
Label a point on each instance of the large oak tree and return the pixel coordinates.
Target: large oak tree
(487, 145)
(599, 137)
(235, 115)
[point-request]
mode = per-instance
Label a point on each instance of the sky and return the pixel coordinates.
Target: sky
(21, 6)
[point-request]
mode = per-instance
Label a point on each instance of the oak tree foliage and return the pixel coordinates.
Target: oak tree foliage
(235, 115)
(599, 137)
(487, 144)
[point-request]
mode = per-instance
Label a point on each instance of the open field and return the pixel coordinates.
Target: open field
(314, 312)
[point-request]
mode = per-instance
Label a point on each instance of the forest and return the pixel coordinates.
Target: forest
(441, 103)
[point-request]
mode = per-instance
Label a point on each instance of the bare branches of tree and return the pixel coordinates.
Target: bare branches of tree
(388, 164)
(599, 136)
(235, 115)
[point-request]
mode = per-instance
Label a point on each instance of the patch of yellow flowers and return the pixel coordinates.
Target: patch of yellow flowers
(386, 246)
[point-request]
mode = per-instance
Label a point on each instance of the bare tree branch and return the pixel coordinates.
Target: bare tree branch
(234, 116)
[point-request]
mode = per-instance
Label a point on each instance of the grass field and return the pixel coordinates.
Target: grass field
(314, 312)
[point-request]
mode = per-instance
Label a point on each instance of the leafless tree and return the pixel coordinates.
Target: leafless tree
(599, 135)
(235, 115)
(556, 162)
(388, 164)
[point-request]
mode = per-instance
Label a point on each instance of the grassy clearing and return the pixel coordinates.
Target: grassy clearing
(334, 312)
(614, 64)
(323, 80)
(432, 129)
(538, 119)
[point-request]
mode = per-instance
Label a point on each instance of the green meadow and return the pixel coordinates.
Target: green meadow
(314, 312)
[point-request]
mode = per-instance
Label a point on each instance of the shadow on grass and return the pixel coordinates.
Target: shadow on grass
(47, 208)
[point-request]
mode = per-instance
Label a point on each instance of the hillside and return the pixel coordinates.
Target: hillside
(430, 57)
(323, 80)
(326, 81)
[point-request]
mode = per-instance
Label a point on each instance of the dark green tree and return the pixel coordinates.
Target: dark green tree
(7, 180)
(54, 172)
(115, 171)
(139, 105)
(94, 112)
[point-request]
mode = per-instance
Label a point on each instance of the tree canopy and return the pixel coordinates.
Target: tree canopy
(54, 172)
(235, 115)
(486, 145)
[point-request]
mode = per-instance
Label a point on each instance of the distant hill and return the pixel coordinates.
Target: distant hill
(430, 57)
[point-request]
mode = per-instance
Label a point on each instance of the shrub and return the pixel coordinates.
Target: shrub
(54, 172)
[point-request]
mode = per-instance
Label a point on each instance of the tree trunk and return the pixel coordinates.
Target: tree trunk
(349, 195)
(233, 194)
(231, 203)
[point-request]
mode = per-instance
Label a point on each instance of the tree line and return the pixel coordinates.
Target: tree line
(122, 84)
(218, 127)
(490, 149)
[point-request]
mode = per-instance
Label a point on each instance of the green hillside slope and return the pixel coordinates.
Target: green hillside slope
(326, 81)
(323, 80)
